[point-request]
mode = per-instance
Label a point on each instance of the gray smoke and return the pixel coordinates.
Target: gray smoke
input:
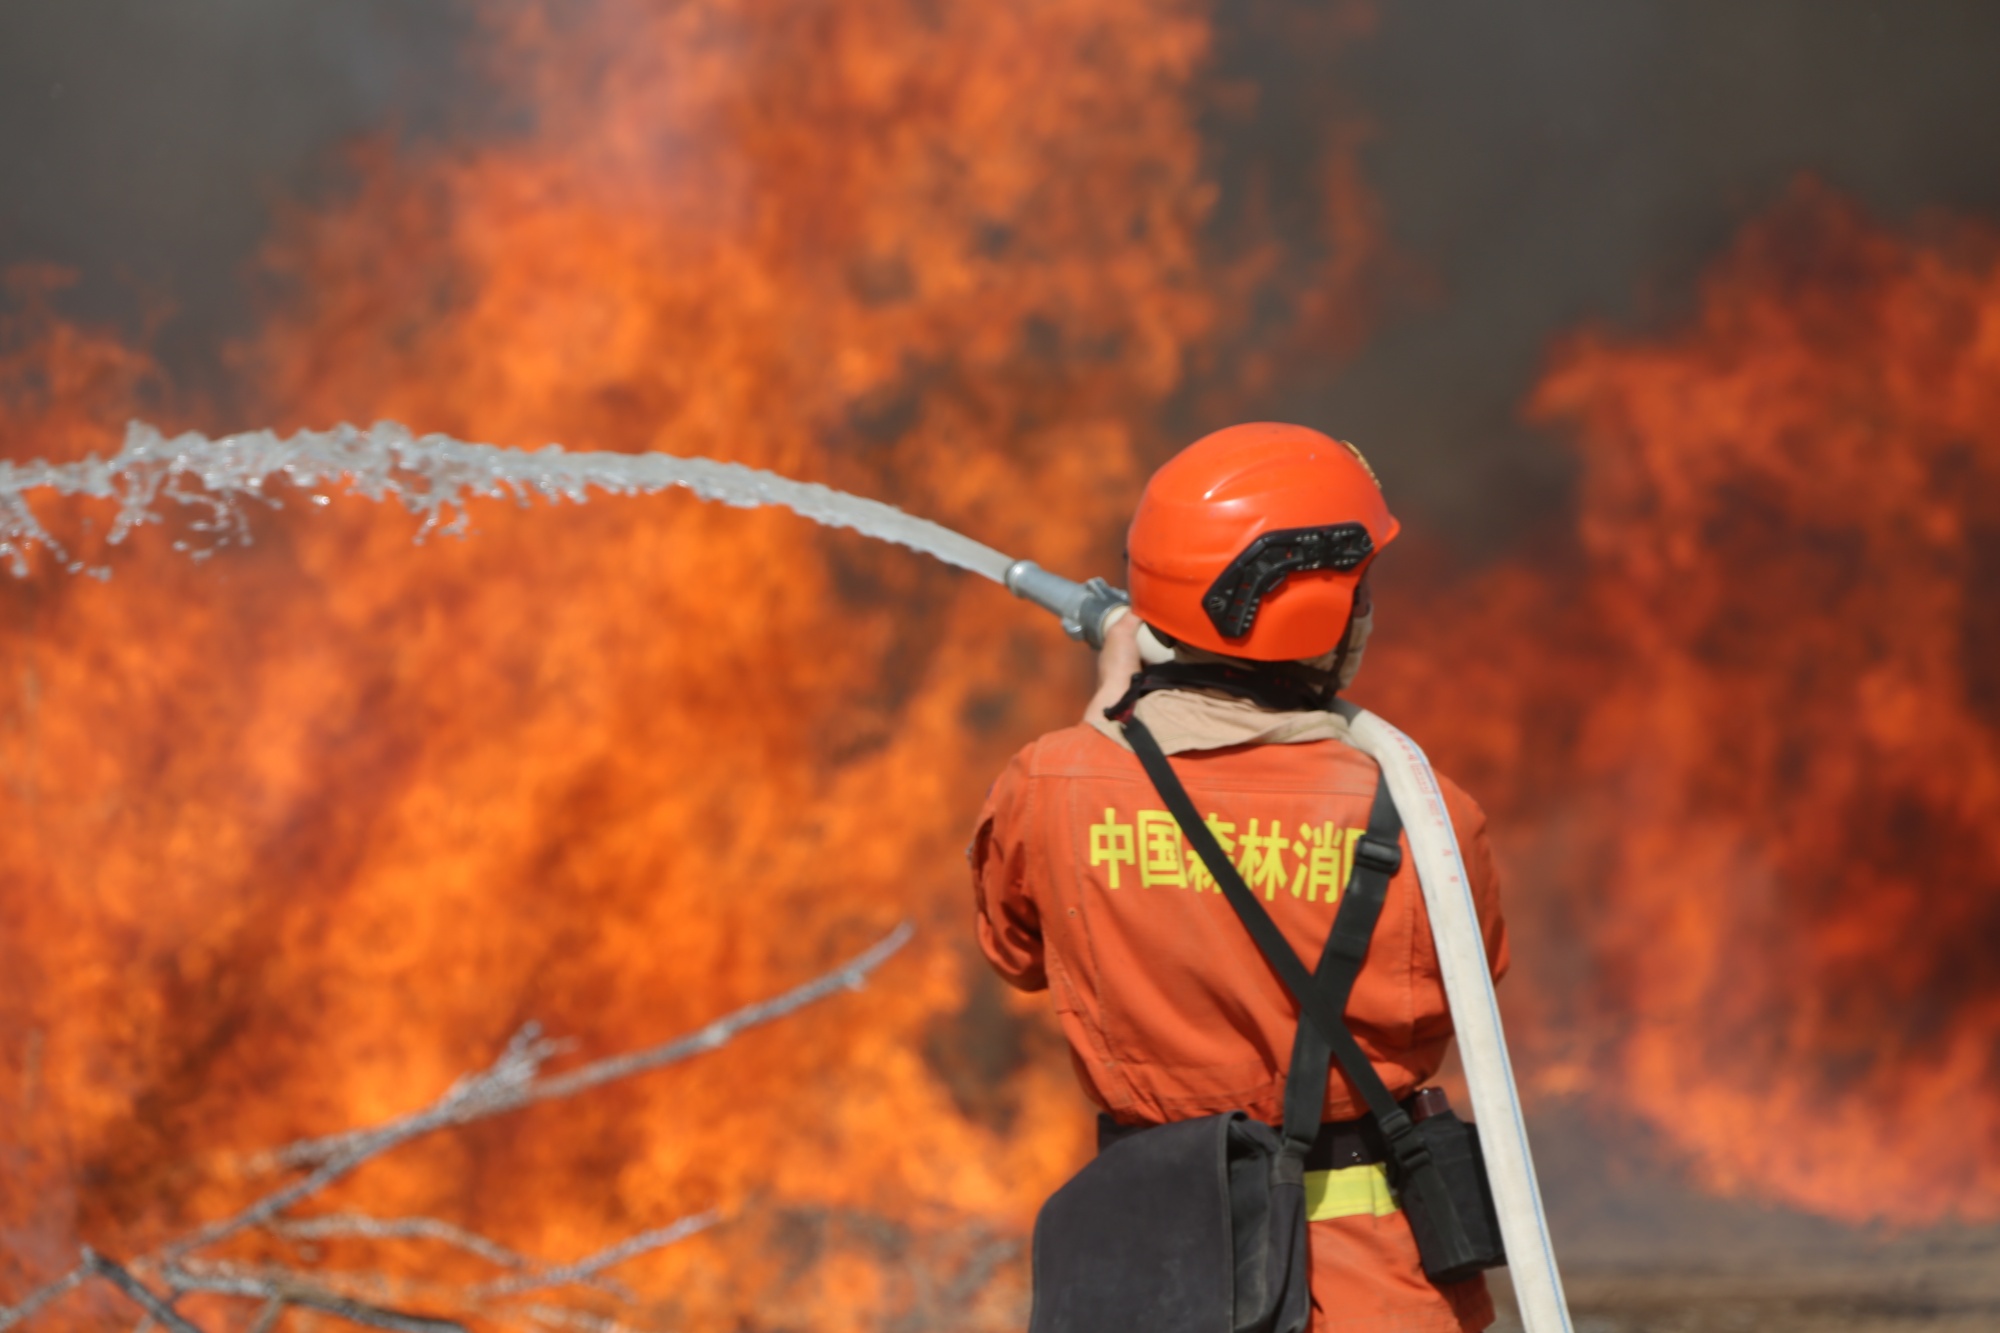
(143, 144)
(1559, 161)
(1548, 161)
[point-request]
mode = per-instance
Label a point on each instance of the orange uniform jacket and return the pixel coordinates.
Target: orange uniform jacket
(1086, 888)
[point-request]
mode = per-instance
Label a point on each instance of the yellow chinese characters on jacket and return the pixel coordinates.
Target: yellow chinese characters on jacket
(1312, 861)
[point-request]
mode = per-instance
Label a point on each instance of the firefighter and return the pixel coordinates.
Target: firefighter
(1086, 888)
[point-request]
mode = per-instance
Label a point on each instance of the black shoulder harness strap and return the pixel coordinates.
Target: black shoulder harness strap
(1322, 994)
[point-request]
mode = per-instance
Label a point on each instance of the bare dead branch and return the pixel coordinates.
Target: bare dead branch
(306, 1295)
(719, 1033)
(557, 1316)
(245, 1279)
(591, 1265)
(11, 1315)
(359, 1225)
(515, 1068)
(513, 1082)
(373, 1316)
(309, 1289)
(142, 1295)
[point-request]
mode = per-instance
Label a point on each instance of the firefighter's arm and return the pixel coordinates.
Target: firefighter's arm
(1009, 921)
(1117, 662)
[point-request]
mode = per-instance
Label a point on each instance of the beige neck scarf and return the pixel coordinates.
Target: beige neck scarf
(1183, 720)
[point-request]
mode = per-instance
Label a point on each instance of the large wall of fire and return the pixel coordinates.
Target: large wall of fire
(293, 836)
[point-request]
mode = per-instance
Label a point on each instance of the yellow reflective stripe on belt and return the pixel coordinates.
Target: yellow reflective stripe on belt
(1352, 1191)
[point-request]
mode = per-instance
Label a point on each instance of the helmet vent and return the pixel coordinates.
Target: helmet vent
(1233, 599)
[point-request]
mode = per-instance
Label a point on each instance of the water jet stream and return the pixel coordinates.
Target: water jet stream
(435, 475)
(431, 475)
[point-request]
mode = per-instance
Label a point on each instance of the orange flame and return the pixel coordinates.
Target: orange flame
(296, 836)
(299, 835)
(1748, 750)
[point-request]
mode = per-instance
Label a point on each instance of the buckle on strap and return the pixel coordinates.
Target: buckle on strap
(1377, 853)
(1406, 1145)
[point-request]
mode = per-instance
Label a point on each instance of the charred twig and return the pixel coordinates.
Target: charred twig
(516, 1066)
(360, 1225)
(310, 1289)
(499, 1087)
(298, 1286)
(586, 1268)
(307, 1296)
(343, 1225)
(556, 1316)
(142, 1295)
(373, 1316)
(514, 1080)
(11, 1315)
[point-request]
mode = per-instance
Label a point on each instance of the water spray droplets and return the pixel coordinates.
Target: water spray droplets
(433, 476)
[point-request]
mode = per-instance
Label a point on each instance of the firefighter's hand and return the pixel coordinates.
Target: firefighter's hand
(1117, 663)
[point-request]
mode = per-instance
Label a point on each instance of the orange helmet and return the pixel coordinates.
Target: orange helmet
(1250, 542)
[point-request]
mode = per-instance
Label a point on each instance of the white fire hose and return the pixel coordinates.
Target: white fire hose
(1087, 610)
(1475, 1017)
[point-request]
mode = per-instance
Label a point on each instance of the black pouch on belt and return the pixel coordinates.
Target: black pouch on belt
(1190, 1227)
(1200, 1226)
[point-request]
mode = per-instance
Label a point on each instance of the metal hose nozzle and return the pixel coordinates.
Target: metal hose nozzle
(1085, 609)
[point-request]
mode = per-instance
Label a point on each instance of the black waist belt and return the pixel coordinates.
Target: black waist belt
(1340, 1143)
